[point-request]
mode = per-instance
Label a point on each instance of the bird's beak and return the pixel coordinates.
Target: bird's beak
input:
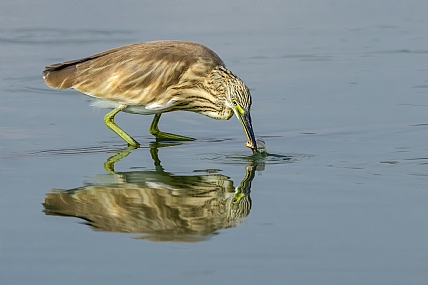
(245, 119)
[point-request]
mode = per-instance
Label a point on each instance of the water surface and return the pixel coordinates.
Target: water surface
(339, 96)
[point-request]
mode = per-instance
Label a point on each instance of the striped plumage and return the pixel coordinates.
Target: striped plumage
(154, 78)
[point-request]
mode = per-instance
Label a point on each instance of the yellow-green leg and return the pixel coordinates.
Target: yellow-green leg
(109, 120)
(154, 130)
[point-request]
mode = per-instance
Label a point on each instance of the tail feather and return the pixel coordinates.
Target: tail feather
(59, 75)
(63, 75)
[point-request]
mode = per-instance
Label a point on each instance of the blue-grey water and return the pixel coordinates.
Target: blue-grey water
(340, 96)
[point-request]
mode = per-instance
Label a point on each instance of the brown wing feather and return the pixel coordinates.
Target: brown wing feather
(135, 74)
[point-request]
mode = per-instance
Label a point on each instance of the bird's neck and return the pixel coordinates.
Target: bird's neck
(207, 96)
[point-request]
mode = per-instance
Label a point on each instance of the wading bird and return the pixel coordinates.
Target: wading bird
(154, 78)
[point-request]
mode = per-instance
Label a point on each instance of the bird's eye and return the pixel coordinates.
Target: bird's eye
(234, 103)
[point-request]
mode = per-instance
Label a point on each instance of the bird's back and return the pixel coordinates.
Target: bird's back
(135, 74)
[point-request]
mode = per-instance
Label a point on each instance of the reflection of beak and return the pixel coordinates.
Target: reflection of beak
(245, 120)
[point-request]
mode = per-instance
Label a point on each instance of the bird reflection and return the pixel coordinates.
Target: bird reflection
(159, 205)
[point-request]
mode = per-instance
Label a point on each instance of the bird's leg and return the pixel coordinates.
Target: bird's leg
(109, 120)
(154, 130)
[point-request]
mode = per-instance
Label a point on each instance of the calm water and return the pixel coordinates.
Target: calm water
(340, 94)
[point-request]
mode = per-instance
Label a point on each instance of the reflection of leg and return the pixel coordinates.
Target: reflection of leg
(245, 187)
(109, 164)
(109, 120)
(241, 203)
(156, 161)
(154, 130)
(154, 149)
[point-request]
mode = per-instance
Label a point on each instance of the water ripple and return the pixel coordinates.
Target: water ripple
(244, 158)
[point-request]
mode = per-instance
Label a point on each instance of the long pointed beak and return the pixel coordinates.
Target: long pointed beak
(245, 120)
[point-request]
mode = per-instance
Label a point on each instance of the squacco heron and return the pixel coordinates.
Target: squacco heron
(154, 78)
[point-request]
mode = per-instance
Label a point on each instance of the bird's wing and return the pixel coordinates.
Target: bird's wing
(135, 74)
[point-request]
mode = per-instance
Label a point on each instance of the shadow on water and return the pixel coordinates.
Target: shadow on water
(158, 204)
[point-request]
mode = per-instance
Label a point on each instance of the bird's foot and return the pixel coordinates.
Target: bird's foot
(162, 136)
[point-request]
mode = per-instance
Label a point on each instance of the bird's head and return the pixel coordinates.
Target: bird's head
(239, 100)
